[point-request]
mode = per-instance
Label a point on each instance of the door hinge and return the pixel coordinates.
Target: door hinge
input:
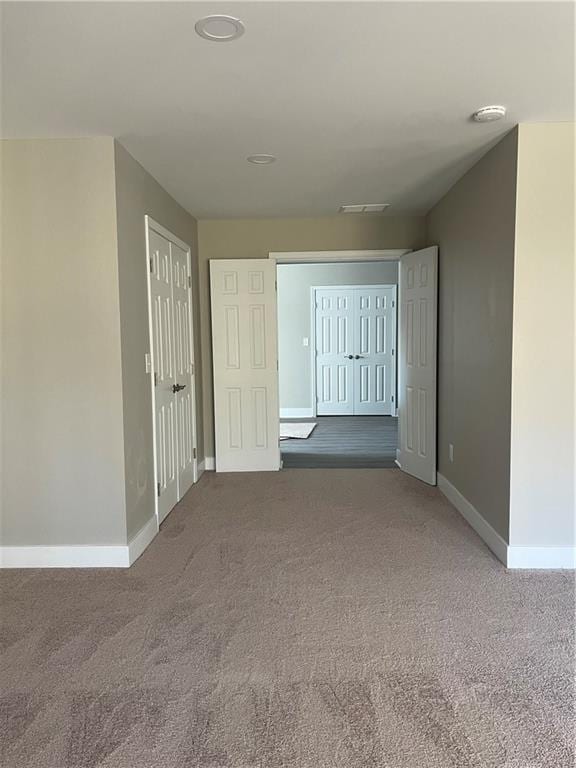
(189, 281)
(158, 489)
(151, 260)
(392, 398)
(393, 351)
(393, 304)
(194, 452)
(191, 370)
(155, 379)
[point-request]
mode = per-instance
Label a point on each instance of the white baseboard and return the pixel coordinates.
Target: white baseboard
(142, 539)
(201, 468)
(471, 514)
(113, 556)
(512, 557)
(542, 557)
(209, 463)
(296, 413)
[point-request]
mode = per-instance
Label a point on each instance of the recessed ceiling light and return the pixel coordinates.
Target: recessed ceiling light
(364, 208)
(261, 159)
(489, 114)
(219, 28)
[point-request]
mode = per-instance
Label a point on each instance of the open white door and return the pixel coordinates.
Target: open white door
(245, 364)
(418, 286)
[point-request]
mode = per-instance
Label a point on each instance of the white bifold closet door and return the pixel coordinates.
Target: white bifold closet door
(355, 350)
(245, 364)
(418, 283)
(172, 367)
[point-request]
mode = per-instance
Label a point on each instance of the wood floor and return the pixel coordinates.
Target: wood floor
(344, 441)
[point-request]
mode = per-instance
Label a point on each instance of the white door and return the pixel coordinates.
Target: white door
(245, 364)
(164, 372)
(355, 350)
(184, 369)
(334, 351)
(374, 351)
(172, 367)
(417, 363)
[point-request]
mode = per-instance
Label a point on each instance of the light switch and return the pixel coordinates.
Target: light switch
(305, 341)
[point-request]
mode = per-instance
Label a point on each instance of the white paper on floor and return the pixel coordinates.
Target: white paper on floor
(300, 431)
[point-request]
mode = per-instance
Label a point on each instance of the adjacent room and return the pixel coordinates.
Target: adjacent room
(287, 384)
(337, 362)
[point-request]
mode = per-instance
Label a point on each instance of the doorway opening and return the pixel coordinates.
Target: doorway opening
(245, 341)
(337, 333)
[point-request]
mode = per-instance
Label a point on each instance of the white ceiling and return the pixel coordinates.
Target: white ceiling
(361, 102)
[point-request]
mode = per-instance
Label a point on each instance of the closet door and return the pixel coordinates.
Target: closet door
(334, 352)
(162, 322)
(184, 369)
(173, 367)
(374, 350)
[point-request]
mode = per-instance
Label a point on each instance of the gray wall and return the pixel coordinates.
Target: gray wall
(138, 194)
(255, 238)
(474, 225)
(62, 441)
(295, 317)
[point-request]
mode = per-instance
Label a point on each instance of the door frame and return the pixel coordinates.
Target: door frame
(152, 224)
(361, 287)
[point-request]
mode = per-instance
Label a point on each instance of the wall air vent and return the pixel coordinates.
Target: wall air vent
(364, 208)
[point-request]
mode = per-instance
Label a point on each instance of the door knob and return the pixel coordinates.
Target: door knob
(357, 357)
(350, 357)
(178, 387)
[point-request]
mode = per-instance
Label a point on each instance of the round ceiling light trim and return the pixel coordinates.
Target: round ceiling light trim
(489, 114)
(219, 28)
(261, 159)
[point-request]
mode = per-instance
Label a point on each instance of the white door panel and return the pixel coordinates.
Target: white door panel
(173, 368)
(417, 363)
(163, 356)
(334, 347)
(184, 369)
(375, 367)
(355, 355)
(245, 364)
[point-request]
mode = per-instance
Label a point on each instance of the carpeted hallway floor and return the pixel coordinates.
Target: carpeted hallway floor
(309, 618)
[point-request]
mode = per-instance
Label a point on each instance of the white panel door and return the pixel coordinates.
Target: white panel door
(245, 364)
(334, 352)
(162, 323)
(184, 369)
(374, 351)
(417, 363)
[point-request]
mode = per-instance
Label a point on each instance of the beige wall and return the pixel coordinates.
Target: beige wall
(474, 228)
(138, 194)
(542, 475)
(62, 441)
(255, 238)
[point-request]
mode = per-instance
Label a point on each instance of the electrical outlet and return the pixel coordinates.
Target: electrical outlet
(450, 451)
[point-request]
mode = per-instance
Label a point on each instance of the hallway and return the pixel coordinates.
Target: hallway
(305, 619)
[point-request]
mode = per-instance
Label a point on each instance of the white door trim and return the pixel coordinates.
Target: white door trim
(288, 257)
(151, 224)
(314, 410)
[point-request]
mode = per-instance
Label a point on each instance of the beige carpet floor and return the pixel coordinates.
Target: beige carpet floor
(308, 618)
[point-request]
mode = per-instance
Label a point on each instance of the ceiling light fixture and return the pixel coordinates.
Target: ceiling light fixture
(219, 28)
(489, 114)
(364, 208)
(262, 159)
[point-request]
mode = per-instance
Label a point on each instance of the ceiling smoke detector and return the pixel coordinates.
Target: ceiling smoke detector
(364, 208)
(262, 159)
(489, 114)
(219, 28)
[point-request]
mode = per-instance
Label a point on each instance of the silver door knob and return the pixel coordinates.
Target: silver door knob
(350, 357)
(178, 387)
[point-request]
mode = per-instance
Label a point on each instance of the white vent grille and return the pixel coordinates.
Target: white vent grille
(364, 208)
